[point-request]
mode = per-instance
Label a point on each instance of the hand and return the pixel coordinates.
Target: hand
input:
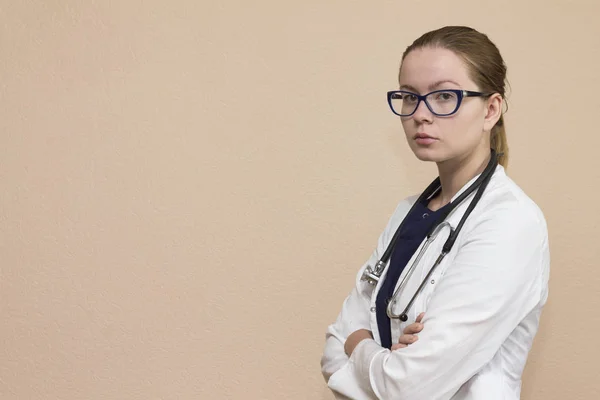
(355, 338)
(409, 335)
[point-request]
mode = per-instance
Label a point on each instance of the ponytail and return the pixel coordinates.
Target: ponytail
(499, 142)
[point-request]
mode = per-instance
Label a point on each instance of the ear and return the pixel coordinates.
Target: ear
(493, 111)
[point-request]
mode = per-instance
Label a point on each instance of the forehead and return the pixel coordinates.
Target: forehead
(424, 67)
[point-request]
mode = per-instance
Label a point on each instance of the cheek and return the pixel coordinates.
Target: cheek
(407, 126)
(463, 131)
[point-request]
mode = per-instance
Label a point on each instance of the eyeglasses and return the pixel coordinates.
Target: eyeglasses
(440, 102)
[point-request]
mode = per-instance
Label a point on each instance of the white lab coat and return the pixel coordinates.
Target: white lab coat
(482, 308)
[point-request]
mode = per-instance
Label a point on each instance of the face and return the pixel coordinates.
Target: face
(453, 137)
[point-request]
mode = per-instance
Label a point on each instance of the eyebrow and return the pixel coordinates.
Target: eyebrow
(430, 87)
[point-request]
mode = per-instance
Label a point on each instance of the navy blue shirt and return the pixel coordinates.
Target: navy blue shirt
(417, 223)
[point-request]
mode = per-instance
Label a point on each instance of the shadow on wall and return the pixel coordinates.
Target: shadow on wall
(327, 394)
(540, 351)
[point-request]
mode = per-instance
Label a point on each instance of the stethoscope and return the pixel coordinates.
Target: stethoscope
(372, 275)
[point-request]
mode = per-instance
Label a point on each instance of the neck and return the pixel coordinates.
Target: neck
(455, 173)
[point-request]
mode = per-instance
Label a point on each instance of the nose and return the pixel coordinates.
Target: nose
(422, 113)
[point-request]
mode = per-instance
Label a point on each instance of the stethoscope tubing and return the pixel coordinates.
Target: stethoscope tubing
(479, 186)
(410, 271)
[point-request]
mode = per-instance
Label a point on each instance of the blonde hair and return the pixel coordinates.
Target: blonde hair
(486, 68)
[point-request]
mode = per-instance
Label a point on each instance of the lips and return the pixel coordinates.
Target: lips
(424, 136)
(423, 139)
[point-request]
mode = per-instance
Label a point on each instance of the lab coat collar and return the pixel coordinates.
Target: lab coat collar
(498, 171)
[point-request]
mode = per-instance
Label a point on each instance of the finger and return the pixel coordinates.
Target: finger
(398, 346)
(420, 317)
(413, 328)
(407, 339)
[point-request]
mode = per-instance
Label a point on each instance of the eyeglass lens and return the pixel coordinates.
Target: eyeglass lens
(441, 103)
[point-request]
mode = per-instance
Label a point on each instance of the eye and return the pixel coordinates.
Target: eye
(409, 98)
(445, 96)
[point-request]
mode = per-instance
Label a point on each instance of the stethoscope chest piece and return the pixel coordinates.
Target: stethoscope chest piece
(372, 275)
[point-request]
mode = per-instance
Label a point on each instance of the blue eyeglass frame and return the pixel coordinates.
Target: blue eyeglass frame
(461, 94)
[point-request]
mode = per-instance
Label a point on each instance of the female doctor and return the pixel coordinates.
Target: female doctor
(452, 317)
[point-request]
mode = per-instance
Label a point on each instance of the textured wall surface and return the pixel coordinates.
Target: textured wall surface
(188, 188)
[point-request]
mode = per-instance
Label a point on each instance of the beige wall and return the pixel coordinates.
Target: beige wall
(187, 190)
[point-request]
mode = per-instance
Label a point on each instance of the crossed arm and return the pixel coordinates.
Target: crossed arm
(493, 283)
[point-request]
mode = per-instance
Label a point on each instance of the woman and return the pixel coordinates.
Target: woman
(478, 311)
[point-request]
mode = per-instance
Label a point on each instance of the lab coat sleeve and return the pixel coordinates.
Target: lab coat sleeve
(492, 284)
(355, 312)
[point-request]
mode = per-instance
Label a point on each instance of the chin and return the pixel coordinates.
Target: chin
(428, 154)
